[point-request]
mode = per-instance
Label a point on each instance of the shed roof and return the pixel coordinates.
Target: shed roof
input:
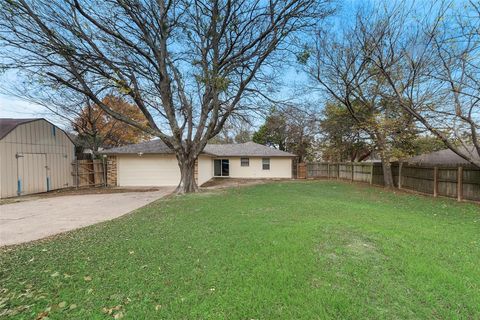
(248, 149)
(8, 124)
(444, 157)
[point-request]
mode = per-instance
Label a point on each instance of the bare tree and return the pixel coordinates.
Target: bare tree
(431, 68)
(341, 65)
(187, 65)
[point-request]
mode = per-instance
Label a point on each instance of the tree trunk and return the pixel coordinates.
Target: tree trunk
(385, 156)
(387, 173)
(187, 175)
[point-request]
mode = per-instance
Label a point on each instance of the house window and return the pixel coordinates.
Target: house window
(221, 168)
(266, 163)
(244, 162)
(54, 130)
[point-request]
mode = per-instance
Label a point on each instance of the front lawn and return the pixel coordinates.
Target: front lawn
(292, 250)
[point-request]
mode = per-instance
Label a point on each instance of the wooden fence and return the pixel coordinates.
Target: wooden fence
(462, 182)
(89, 173)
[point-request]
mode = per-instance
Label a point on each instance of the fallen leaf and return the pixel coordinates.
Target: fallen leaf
(87, 278)
(55, 274)
(73, 306)
(42, 316)
(157, 307)
(118, 315)
(131, 252)
(110, 310)
(62, 304)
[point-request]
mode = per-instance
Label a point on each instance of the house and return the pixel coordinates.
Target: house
(444, 157)
(35, 156)
(152, 163)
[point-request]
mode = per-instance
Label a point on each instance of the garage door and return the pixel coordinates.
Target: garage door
(148, 171)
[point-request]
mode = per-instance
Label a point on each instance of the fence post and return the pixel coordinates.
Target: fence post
(400, 165)
(328, 170)
(371, 173)
(77, 177)
(351, 166)
(338, 171)
(104, 166)
(301, 171)
(460, 183)
(435, 181)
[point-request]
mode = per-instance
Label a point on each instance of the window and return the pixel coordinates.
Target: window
(54, 130)
(266, 163)
(244, 162)
(221, 168)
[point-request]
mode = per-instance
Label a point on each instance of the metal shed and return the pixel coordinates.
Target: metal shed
(35, 156)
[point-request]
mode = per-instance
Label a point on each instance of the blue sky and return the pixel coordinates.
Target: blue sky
(13, 107)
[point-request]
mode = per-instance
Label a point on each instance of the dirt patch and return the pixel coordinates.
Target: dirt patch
(219, 183)
(74, 191)
(347, 244)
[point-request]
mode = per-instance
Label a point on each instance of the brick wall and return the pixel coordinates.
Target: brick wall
(112, 171)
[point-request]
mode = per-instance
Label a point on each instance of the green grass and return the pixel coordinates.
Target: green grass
(293, 250)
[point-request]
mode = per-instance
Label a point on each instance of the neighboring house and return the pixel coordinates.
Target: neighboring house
(444, 157)
(152, 163)
(35, 156)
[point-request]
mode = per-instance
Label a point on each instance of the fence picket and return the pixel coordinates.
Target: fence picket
(435, 181)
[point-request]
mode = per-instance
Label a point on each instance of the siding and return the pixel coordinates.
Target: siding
(163, 170)
(35, 137)
(205, 169)
(280, 167)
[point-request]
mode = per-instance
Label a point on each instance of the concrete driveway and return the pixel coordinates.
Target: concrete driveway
(36, 219)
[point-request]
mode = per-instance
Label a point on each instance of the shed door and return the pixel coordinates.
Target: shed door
(32, 173)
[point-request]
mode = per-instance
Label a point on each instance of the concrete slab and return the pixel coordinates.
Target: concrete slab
(36, 219)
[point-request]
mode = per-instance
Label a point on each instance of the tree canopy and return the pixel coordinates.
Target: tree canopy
(188, 66)
(96, 129)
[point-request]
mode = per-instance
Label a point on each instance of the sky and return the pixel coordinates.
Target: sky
(13, 107)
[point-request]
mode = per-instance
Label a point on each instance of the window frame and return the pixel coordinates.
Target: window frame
(265, 162)
(222, 167)
(244, 162)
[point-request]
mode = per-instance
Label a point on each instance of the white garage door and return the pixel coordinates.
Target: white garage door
(148, 170)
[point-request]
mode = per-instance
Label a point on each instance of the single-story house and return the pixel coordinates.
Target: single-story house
(152, 163)
(35, 156)
(444, 157)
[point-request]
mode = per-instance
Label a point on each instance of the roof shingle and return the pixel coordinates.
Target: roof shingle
(444, 157)
(8, 124)
(248, 149)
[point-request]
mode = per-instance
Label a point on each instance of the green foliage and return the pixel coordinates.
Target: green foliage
(273, 132)
(219, 83)
(343, 139)
(291, 130)
(292, 250)
(427, 144)
(302, 57)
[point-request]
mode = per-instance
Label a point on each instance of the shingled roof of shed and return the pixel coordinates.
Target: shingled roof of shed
(8, 124)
